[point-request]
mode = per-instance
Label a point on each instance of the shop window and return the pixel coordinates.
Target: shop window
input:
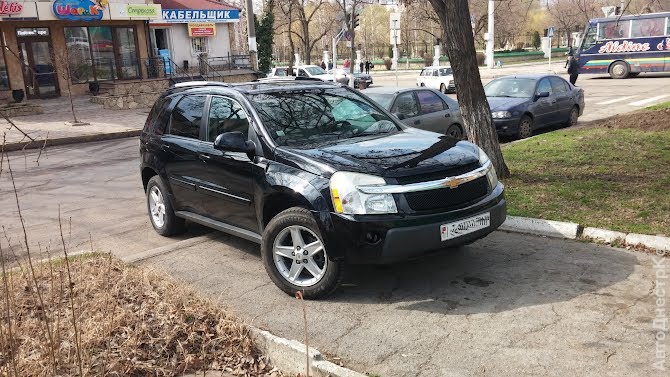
(4, 78)
(102, 53)
(198, 45)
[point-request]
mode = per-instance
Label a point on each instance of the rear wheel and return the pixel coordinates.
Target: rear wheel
(574, 116)
(525, 127)
(161, 213)
(455, 131)
(619, 70)
(295, 256)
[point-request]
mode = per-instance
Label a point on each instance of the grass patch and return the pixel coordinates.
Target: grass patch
(613, 178)
(131, 321)
(660, 106)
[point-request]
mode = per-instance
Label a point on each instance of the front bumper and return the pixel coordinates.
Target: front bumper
(507, 127)
(385, 239)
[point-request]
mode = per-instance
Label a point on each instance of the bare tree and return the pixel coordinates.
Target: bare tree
(454, 17)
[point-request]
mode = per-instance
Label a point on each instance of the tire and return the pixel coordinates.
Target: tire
(443, 88)
(280, 246)
(161, 213)
(422, 84)
(573, 117)
(525, 127)
(454, 131)
(619, 70)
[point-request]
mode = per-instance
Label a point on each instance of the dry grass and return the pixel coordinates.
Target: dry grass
(131, 322)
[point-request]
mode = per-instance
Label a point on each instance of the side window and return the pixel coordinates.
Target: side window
(226, 115)
(302, 73)
(558, 85)
(158, 117)
(614, 30)
(435, 72)
(429, 101)
(186, 116)
(544, 86)
(647, 27)
(406, 105)
(590, 38)
(423, 72)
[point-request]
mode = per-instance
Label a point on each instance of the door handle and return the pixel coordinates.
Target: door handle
(447, 115)
(204, 157)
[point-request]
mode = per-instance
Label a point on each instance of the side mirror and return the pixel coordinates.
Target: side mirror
(234, 142)
(541, 95)
(400, 116)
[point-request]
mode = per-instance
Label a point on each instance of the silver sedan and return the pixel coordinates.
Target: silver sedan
(423, 108)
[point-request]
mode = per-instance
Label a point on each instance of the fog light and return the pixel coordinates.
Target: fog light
(372, 238)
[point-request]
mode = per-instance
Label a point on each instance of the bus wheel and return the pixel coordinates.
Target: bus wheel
(619, 70)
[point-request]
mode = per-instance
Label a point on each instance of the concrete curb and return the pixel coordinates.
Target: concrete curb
(541, 227)
(290, 356)
(147, 254)
(10, 147)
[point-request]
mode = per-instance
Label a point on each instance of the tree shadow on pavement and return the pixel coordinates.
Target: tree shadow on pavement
(499, 273)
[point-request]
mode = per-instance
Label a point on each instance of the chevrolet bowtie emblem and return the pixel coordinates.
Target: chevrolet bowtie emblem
(454, 182)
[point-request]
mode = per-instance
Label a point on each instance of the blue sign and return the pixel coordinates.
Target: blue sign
(205, 15)
(78, 10)
(550, 32)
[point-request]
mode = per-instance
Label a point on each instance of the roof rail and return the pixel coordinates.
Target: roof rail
(290, 78)
(199, 83)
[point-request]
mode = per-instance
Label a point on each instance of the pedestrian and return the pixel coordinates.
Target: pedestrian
(360, 65)
(367, 67)
(323, 64)
(573, 67)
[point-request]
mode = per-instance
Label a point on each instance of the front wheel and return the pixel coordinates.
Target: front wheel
(525, 127)
(161, 213)
(295, 257)
(455, 131)
(619, 70)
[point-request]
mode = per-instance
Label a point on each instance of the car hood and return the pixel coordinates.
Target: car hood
(505, 103)
(325, 77)
(409, 152)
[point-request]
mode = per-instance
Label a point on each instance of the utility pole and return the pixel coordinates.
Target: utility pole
(490, 40)
(251, 31)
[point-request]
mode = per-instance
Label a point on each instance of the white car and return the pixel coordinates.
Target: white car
(440, 78)
(313, 71)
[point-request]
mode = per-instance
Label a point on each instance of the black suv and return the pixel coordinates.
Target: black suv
(316, 173)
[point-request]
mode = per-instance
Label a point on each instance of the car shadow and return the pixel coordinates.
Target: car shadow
(502, 272)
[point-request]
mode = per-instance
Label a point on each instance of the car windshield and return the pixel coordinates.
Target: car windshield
(315, 71)
(510, 87)
(310, 117)
(383, 99)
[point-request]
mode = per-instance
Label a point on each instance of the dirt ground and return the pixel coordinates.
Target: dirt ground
(646, 120)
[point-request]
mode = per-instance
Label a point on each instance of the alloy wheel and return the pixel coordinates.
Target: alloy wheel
(157, 206)
(299, 256)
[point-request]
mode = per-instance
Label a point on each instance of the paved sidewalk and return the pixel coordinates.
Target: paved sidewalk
(57, 112)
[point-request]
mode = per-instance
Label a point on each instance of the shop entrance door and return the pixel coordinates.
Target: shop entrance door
(37, 60)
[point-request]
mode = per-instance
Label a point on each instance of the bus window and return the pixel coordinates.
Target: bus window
(614, 30)
(589, 38)
(667, 30)
(648, 27)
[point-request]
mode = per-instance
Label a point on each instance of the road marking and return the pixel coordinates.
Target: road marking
(614, 100)
(648, 100)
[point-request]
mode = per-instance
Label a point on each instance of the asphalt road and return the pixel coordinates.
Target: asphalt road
(604, 96)
(507, 305)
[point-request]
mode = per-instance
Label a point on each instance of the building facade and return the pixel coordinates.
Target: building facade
(50, 46)
(189, 28)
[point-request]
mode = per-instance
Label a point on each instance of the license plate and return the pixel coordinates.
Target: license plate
(462, 227)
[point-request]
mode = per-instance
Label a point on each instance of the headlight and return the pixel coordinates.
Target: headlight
(491, 174)
(349, 200)
(501, 114)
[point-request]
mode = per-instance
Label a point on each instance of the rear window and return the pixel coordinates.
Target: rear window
(158, 117)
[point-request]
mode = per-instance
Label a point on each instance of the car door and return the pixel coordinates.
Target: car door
(407, 106)
(563, 98)
(434, 113)
(180, 147)
(543, 109)
(227, 185)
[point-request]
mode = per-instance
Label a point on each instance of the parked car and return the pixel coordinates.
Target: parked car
(316, 173)
(313, 71)
(524, 103)
(440, 78)
(427, 109)
(342, 76)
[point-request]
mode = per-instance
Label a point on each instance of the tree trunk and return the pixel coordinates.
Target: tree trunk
(455, 21)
